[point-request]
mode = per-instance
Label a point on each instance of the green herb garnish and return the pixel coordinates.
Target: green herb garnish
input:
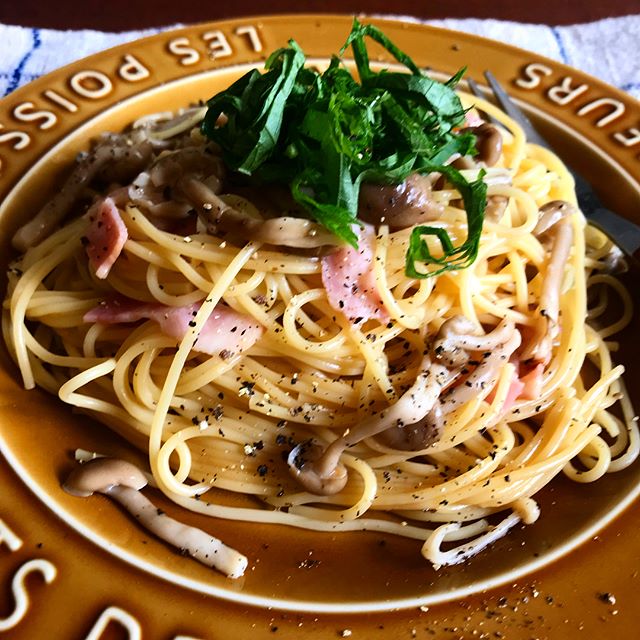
(323, 134)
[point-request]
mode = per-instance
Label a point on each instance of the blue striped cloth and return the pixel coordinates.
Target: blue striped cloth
(26, 54)
(607, 49)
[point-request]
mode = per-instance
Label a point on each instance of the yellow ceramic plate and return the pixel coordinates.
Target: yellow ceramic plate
(84, 569)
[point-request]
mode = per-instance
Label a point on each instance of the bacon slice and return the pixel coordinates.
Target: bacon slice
(532, 381)
(105, 237)
(472, 118)
(347, 275)
(526, 384)
(514, 392)
(225, 333)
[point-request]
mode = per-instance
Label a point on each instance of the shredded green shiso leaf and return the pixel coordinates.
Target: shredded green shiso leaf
(323, 134)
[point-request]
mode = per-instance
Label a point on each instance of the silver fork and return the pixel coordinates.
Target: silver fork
(621, 231)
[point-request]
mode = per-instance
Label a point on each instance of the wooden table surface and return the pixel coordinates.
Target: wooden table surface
(118, 15)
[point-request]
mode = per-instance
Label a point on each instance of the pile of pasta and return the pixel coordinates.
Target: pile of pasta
(230, 420)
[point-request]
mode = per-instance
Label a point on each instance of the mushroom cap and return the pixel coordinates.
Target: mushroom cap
(305, 465)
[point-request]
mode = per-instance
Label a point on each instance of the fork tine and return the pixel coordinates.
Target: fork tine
(474, 88)
(513, 111)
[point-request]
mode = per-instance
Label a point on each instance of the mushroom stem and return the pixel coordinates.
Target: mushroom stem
(555, 223)
(320, 472)
(456, 338)
(484, 375)
(416, 420)
(122, 481)
(111, 152)
(496, 206)
(418, 436)
(221, 218)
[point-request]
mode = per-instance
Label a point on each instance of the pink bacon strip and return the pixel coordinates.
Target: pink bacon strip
(225, 333)
(348, 277)
(105, 236)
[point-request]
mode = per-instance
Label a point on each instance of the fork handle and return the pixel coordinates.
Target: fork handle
(623, 232)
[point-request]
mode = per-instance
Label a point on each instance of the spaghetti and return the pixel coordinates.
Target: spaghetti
(253, 417)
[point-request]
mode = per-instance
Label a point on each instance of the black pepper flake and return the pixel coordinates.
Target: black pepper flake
(607, 598)
(217, 412)
(262, 470)
(246, 388)
(308, 563)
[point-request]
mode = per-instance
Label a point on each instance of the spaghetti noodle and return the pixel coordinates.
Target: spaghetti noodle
(253, 417)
